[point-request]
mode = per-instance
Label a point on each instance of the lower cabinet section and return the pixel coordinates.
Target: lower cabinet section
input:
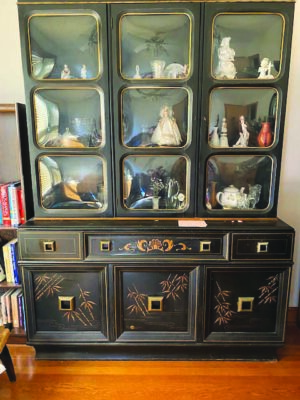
(245, 304)
(156, 311)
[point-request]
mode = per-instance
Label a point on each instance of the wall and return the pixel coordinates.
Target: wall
(11, 91)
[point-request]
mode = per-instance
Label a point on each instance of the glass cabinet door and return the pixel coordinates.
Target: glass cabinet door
(156, 117)
(156, 182)
(242, 118)
(73, 182)
(69, 118)
(65, 45)
(247, 45)
(155, 45)
(239, 183)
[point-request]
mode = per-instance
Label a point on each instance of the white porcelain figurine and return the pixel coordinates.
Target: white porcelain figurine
(265, 69)
(226, 68)
(166, 132)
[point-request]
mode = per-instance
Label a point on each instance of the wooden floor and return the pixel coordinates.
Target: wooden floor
(168, 380)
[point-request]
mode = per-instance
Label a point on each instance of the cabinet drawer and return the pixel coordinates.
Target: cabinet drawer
(50, 246)
(155, 303)
(206, 247)
(262, 246)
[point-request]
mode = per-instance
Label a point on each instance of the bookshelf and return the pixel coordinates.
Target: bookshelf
(10, 170)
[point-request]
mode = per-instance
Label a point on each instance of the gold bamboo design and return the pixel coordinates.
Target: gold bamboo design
(222, 308)
(267, 291)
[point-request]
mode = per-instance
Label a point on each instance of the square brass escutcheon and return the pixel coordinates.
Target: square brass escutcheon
(105, 245)
(155, 303)
(245, 304)
(49, 245)
(66, 303)
(205, 246)
(262, 247)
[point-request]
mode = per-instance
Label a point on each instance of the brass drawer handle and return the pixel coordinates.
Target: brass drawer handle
(205, 246)
(105, 245)
(155, 303)
(245, 304)
(66, 303)
(49, 246)
(262, 247)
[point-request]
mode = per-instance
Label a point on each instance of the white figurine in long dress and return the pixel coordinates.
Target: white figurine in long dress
(226, 54)
(166, 132)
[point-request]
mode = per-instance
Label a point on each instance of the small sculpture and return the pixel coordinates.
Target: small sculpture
(137, 72)
(66, 72)
(244, 134)
(215, 140)
(166, 132)
(226, 68)
(224, 138)
(83, 72)
(265, 69)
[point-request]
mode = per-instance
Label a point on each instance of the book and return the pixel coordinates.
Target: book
(3, 309)
(13, 246)
(2, 272)
(15, 307)
(20, 194)
(21, 314)
(6, 307)
(13, 200)
(7, 263)
(5, 204)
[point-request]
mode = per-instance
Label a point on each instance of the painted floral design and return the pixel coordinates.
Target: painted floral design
(268, 292)
(223, 307)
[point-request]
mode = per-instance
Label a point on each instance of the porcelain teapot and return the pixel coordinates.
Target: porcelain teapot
(230, 197)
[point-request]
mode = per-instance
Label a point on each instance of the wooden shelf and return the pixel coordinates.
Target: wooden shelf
(9, 285)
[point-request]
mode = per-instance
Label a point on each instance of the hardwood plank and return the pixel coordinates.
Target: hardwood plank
(109, 380)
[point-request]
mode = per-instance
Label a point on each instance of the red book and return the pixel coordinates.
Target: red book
(5, 204)
(21, 205)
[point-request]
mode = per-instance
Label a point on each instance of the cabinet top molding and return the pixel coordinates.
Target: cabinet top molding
(23, 2)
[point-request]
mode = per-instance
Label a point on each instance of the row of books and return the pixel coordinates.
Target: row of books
(9, 267)
(11, 204)
(12, 312)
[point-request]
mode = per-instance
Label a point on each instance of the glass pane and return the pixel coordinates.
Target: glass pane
(156, 117)
(71, 118)
(156, 182)
(242, 117)
(239, 182)
(155, 48)
(247, 46)
(73, 182)
(64, 46)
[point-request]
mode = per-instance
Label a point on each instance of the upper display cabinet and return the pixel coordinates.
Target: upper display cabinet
(155, 109)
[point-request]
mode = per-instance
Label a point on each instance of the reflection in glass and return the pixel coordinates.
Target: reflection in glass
(235, 56)
(156, 117)
(64, 46)
(155, 48)
(155, 182)
(239, 182)
(71, 118)
(73, 182)
(237, 116)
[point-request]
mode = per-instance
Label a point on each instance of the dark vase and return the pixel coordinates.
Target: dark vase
(265, 136)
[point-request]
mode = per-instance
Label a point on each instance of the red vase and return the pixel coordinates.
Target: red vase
(265, 136)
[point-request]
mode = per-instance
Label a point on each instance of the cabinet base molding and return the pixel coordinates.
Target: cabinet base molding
(157, 353)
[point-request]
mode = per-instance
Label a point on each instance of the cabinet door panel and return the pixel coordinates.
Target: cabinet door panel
(155, 303)
(67, 304)
(245, 304)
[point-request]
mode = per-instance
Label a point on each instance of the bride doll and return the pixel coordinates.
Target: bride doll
(166, 132)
